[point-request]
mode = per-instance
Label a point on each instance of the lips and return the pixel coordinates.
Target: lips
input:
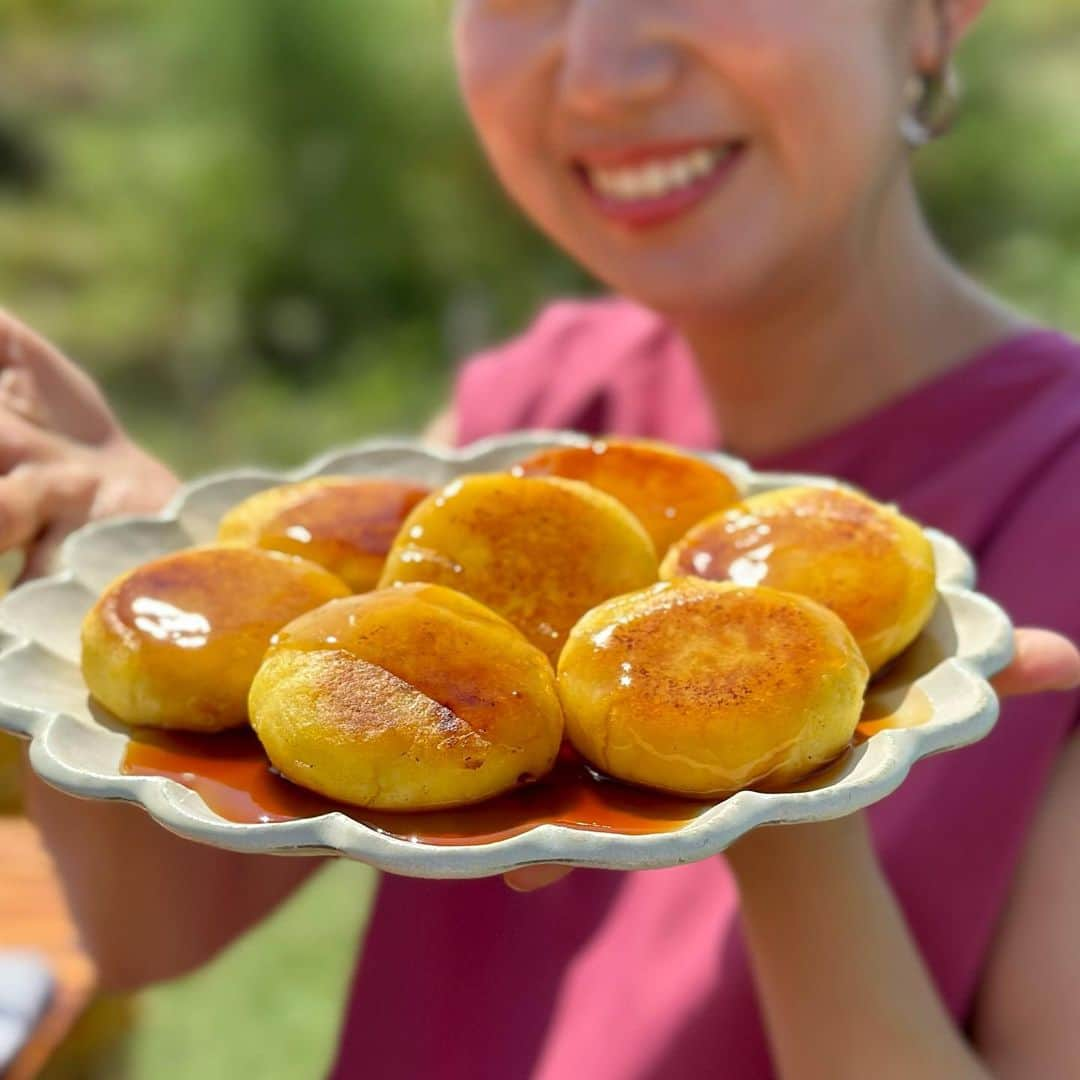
(647, 186)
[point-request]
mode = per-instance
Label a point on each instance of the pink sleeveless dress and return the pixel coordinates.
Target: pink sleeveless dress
(616, 976)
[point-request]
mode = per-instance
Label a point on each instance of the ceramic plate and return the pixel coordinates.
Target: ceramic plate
(935, 697)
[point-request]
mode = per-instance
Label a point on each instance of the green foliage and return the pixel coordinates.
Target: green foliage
(266, 222)
(1002, 189)
(260, 221)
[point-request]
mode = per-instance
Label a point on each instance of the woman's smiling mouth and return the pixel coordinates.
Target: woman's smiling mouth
(647, 186)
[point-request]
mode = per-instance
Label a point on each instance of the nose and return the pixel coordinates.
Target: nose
(612, 59)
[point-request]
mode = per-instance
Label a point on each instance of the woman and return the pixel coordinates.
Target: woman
(741, 171)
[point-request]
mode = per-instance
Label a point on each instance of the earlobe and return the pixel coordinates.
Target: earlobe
(939, 26)
(962, 15)
(932, 35)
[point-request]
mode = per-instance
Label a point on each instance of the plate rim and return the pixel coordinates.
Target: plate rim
(892, 753)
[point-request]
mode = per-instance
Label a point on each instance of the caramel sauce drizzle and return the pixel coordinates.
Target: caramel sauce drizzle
(234, 778)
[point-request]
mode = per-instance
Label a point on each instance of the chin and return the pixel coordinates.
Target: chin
(686, 299)
(686, 282)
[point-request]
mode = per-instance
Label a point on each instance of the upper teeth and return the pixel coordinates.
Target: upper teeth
(655, 179)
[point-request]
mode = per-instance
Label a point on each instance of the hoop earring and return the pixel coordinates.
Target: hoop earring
(931, 104)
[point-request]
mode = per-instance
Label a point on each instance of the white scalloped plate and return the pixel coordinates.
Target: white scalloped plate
(42, 695)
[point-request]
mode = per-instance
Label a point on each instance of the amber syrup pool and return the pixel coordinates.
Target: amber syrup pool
(234, 778)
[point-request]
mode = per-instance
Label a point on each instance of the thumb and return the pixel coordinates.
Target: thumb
(1043, 661)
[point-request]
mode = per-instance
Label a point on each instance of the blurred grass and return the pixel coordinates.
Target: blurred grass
(264, 226)
(269, 1007)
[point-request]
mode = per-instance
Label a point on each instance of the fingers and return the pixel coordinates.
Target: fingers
(23, 443)
(21, 509)
(41, 558)
(35, 499)
(18, 395)
(45, 388)
(1044, 661)
(530, 878)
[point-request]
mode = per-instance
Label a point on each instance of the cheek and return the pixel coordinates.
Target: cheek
(818, 80)
(807, 82)
(506, 74)
(839, 133)
(499, 64)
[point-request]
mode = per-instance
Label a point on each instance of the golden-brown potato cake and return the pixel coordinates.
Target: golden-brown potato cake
(860, 558)
(176, 643)
(667, 491)
(344, 523)
(413, 698)
(704, 688)
(540, 551)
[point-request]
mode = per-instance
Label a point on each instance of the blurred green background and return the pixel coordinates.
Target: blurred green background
(266, 222)
(263, 225)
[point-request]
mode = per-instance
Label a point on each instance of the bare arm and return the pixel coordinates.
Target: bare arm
(1027, 1019)
(871, 995)
(842, 986)
(149, 905)
(840, 968)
